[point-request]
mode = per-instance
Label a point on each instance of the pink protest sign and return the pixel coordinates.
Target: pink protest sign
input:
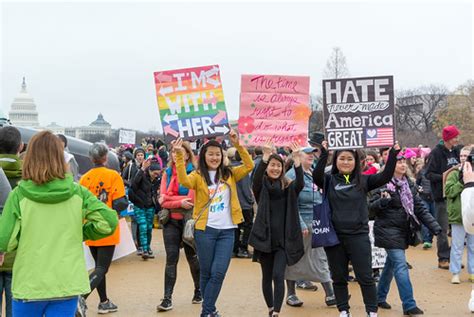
(274, 108)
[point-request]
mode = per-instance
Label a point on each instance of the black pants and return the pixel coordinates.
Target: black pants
(357, 249)
(102, 257)
(273, 270)
(172, 237)
(242, 233)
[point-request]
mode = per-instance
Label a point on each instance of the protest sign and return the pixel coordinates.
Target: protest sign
(359, 112)
(191, 103)
(124, 248)
(274, 108)
(379, 255)
(127, 137)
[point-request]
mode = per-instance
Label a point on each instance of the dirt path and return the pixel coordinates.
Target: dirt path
(136, 287)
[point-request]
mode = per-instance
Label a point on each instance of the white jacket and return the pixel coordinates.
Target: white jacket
(467, 209)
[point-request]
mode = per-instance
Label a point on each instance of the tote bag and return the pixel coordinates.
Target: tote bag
(323, 233)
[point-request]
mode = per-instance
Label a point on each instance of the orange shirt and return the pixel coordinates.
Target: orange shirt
(107, 185)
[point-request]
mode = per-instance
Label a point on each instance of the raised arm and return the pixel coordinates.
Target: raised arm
(299, 180)
(257, 180)
(318, 172)
(243, 170)
(378, 180)
(188, 181)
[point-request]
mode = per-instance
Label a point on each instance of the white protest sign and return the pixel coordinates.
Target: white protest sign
(127, 137)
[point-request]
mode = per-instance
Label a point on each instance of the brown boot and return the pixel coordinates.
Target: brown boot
(443, 264)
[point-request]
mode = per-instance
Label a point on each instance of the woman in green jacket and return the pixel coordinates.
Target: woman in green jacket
(453, 188)
(46, 217)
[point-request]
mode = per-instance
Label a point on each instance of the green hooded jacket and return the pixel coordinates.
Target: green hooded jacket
(453, 189)
(47, 224)
(11, 165)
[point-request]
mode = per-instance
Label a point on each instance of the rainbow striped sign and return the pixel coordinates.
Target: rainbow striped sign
(191, 103)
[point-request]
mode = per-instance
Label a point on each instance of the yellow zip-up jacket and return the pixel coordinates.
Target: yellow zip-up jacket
(198, 183)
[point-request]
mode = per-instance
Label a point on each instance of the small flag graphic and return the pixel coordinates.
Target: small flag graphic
(379, 136)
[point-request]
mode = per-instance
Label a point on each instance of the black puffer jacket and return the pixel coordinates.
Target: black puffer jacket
(144, 190)
(391, 226)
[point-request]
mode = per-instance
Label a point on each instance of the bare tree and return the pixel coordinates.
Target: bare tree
(416, 108)
(316, 119)
(336, 66)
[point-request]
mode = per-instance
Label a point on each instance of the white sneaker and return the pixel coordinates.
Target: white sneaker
(455, 279)
(344, 314)
(372, 314)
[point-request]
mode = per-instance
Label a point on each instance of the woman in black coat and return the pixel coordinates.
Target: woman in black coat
(347, 192)
(393, 206)
(276, 233)
(144, 195)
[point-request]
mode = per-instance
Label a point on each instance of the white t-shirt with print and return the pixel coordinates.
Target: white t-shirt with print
(219, 216)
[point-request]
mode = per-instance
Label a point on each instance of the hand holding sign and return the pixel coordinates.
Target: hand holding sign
(396, 146)
(234, 138)
(177, 145)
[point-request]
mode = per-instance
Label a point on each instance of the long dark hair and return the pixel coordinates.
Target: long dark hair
(284, 181)
(356, 173)
(223, 171)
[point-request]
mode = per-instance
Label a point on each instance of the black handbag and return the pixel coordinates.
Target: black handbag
(414, 234)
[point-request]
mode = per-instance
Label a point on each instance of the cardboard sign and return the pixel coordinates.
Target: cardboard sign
(124, 248)
(359, 112)
(191, 103)
(379, 255)
(127, 137)
(274, 108)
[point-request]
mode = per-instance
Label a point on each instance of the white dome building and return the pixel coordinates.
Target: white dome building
(23, 109)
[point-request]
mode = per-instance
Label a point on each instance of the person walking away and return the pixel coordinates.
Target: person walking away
(276, 234)
(217, 212)
(459, 237)
(47, 211)
(180, 202)
(393, 205)
(443, 157)
(347, 196)
(5, 275)
(107, 185)
(10, 148)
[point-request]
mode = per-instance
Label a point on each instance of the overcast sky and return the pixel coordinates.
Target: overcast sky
(80, 59)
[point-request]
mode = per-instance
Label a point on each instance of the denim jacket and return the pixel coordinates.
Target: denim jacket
(309, 196)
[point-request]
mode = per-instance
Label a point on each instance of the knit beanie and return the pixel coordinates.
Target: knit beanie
(450, 132)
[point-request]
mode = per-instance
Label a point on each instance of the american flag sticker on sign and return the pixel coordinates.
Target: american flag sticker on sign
(379, 136)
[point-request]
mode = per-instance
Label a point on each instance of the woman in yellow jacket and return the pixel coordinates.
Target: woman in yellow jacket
(216, 210)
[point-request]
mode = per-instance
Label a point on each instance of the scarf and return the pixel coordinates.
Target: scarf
(274, 188)
(406, 196)
(173, 186)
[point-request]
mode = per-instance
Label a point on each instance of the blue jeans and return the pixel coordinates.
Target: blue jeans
(427, 235)
(6, 285)
(396, 265)
(47, 308)
(214, 250)
(457, 247)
